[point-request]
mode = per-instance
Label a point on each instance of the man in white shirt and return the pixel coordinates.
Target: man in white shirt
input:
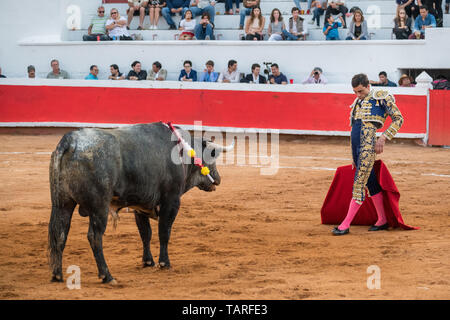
(230, 75)
(316, 77)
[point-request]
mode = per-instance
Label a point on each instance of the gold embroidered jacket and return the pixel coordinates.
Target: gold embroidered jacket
(375, 108)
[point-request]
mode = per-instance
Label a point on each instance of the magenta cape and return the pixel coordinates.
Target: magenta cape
(336, 203)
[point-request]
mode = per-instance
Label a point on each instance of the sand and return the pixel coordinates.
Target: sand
(256, 237)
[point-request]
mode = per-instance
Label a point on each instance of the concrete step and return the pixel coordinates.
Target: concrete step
(231, 34)
(368, 7)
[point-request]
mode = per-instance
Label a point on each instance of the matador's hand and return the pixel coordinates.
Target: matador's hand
(380, 144)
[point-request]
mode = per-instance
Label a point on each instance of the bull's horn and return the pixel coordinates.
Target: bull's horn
(220, 148)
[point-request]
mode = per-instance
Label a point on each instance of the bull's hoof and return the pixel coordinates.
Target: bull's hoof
(164, 265)
(110, 280)
(148, 264)
(57, 278)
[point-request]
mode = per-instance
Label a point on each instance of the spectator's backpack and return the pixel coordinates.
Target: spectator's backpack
(441, 84)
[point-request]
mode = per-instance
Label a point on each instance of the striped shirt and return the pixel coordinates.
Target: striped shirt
(98, 25)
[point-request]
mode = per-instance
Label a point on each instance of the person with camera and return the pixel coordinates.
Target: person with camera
(204, 30)
(254, 77)
(316, 77)
(277, 77)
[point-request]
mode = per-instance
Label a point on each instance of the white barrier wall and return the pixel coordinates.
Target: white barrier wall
(33, 36)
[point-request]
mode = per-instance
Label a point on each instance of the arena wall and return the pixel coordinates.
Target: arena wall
(292, 109)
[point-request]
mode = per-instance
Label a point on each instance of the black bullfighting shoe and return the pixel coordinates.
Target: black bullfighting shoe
(338, 232)
(378, 228)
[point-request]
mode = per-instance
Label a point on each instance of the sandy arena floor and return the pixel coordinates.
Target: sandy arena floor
(256, 237)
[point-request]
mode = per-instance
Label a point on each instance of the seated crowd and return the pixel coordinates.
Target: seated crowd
(410, 22)
(229, 75)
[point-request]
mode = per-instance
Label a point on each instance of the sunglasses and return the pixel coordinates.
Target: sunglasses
(101, 11)
(113, 12)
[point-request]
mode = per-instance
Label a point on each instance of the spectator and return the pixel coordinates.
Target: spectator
(231, 74)
(405, 81)
(358, 27)
(204, 30)
(248, 6)
(154, 8)
(117, 26)
(229, 6)
(255, 25)
(199, 7)
(56, 72)
(318, 10)
(1, 75)
(331, 28)
(187, 26)
(137, 8)
(157, 73)
(115, 73)
(402, 25)
(277, 77)
(31, 72)
(434, 8)
(187, 74)
(93, 73)
(316, 77)
(410, 7)
(276, 26)
(441, 83)
(137, 73)
(174, 7)
(254, 77)
(209, 75)
(97, 27)
(384, 81)
(308, 10)
(336, 8)
(423, 21)
(298, 29)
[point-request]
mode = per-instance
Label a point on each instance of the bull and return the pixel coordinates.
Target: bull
(103, 170)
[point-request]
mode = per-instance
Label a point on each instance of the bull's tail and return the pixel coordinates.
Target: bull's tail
(60, 216)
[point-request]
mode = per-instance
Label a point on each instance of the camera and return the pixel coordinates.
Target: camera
(267, 69)
(316, 72)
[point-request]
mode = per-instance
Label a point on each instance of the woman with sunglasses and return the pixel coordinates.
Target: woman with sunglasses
(117, 26)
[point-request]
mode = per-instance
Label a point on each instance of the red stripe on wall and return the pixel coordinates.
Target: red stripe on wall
(439, 131)
(222, 108)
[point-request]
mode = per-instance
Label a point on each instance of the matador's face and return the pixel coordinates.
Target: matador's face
(361, 91)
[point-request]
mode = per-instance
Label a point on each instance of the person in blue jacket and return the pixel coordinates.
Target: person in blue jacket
(187, 74)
